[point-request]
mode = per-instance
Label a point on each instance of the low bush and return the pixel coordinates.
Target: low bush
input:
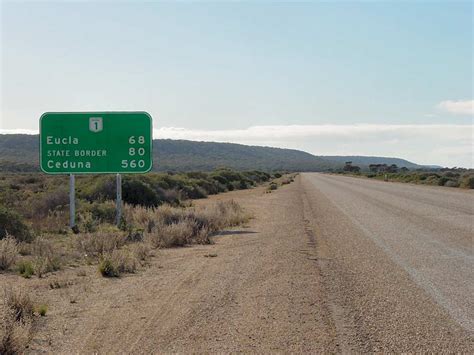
(116, 263)
(107, 268)
(468, 182)
(168, 226)
(137, 192)
(172, 235)
(8, 252)
(49, 201)
(87, 223)
(20, 303)
(54, 222)
(25, 268)
(272, 186)
(101, 242)
(451, 183)
(42, 309)
(443, 180)
(17, 322)
(45, 257)
(141, 251)
(12, 223)
(104, 212)
(96, 188)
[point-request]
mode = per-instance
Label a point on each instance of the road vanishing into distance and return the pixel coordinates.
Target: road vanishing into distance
(328, 264)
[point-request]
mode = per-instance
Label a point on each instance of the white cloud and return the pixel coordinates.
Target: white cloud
(296, 132)
(18, 131)
(459, 107)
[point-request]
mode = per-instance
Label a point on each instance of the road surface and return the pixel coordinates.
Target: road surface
(328, 264)
(406, 250)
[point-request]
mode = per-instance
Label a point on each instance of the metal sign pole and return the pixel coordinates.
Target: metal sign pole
(119, 199)
(72, 201)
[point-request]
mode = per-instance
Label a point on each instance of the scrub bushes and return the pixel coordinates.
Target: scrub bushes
(17, 314)
(168, 226)
(8, 252)
(12, 223)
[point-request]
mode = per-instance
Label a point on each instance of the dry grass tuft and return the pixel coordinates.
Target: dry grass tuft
(100, 243)
(8, 252)
(25, 268)
(45, 258)
(117, 262)
(17, 320)
(174, 235)
(168, 226)
(141, 251)
(20, 303)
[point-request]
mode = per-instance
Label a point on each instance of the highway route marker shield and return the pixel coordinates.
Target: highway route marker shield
(95, 142)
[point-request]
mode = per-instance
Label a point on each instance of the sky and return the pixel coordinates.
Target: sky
(332, 78)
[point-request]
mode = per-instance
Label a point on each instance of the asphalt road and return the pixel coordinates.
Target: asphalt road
(426, 231)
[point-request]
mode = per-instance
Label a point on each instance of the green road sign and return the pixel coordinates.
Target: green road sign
(95, 142)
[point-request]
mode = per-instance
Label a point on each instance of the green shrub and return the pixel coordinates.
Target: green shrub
(443, 180)
(194, 192)
(25, 268)
(470, 182)
(107, 268)
(101, 211)
(97, 188)
(12, 223)
(42, 309)
(137, 192)
(272, 186)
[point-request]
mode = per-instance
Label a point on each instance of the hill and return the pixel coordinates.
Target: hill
(188, 155)
(19, 152)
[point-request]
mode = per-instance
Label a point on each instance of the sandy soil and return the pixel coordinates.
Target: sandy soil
(300, 277)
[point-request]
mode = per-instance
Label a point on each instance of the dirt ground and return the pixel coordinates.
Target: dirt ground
(276, 284)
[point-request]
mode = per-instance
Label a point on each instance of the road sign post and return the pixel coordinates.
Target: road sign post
(118, 201)
(95, 143)
(72, 201)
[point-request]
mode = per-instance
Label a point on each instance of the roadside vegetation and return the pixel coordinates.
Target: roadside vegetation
(455, 177)
(35, 238)
(18, 318)
(158, 212)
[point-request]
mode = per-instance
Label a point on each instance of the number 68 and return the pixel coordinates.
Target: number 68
(132, 140)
